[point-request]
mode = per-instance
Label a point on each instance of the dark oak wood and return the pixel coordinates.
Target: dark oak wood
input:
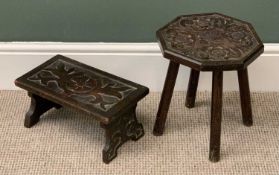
(192, 88)
(166, 98)
(209, 42)
(109, 99)
(74, 84)
(38, 107)
(245, 97)
(216, 116)
(125, 128)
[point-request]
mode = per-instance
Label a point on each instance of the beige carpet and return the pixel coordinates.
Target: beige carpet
(66, 142)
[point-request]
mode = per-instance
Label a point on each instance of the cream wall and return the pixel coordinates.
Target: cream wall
(139, 62)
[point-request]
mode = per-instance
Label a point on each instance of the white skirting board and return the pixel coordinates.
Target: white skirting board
(139, 62)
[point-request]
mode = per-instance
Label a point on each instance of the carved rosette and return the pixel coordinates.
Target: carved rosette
(211, 37)
(84, 86)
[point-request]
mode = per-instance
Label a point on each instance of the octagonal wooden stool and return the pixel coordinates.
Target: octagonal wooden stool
(208, 42)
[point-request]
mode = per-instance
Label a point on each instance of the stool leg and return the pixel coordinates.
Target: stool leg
(38, 106)
(120, 131)
(245, 97)
(192, 88)
(216, 116)
(166, 98)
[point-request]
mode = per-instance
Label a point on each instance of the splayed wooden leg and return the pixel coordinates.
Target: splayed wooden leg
(166, 99)
(192, 88)
(216, 116)
(246, 108)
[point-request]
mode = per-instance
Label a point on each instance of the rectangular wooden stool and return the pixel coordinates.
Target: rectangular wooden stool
(111, 100)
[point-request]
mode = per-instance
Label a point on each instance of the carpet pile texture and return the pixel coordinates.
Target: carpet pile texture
(67, 142)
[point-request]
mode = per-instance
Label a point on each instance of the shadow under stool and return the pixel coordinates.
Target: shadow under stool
(208, 42)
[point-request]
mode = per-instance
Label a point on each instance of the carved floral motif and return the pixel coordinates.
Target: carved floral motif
(85, 87)
(209, 37)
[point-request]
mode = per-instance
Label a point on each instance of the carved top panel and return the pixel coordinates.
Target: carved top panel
(84, 85)
(209, 37)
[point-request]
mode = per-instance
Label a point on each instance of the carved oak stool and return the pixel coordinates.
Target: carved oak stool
(109, 99)
(208, 42)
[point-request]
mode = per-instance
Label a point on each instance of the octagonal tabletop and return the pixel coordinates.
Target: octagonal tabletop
(210, 41)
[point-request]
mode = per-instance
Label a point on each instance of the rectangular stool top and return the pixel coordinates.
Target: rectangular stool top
(71, 83)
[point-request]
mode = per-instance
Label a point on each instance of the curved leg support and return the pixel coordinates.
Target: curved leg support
(118, 132)
(38, 106)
